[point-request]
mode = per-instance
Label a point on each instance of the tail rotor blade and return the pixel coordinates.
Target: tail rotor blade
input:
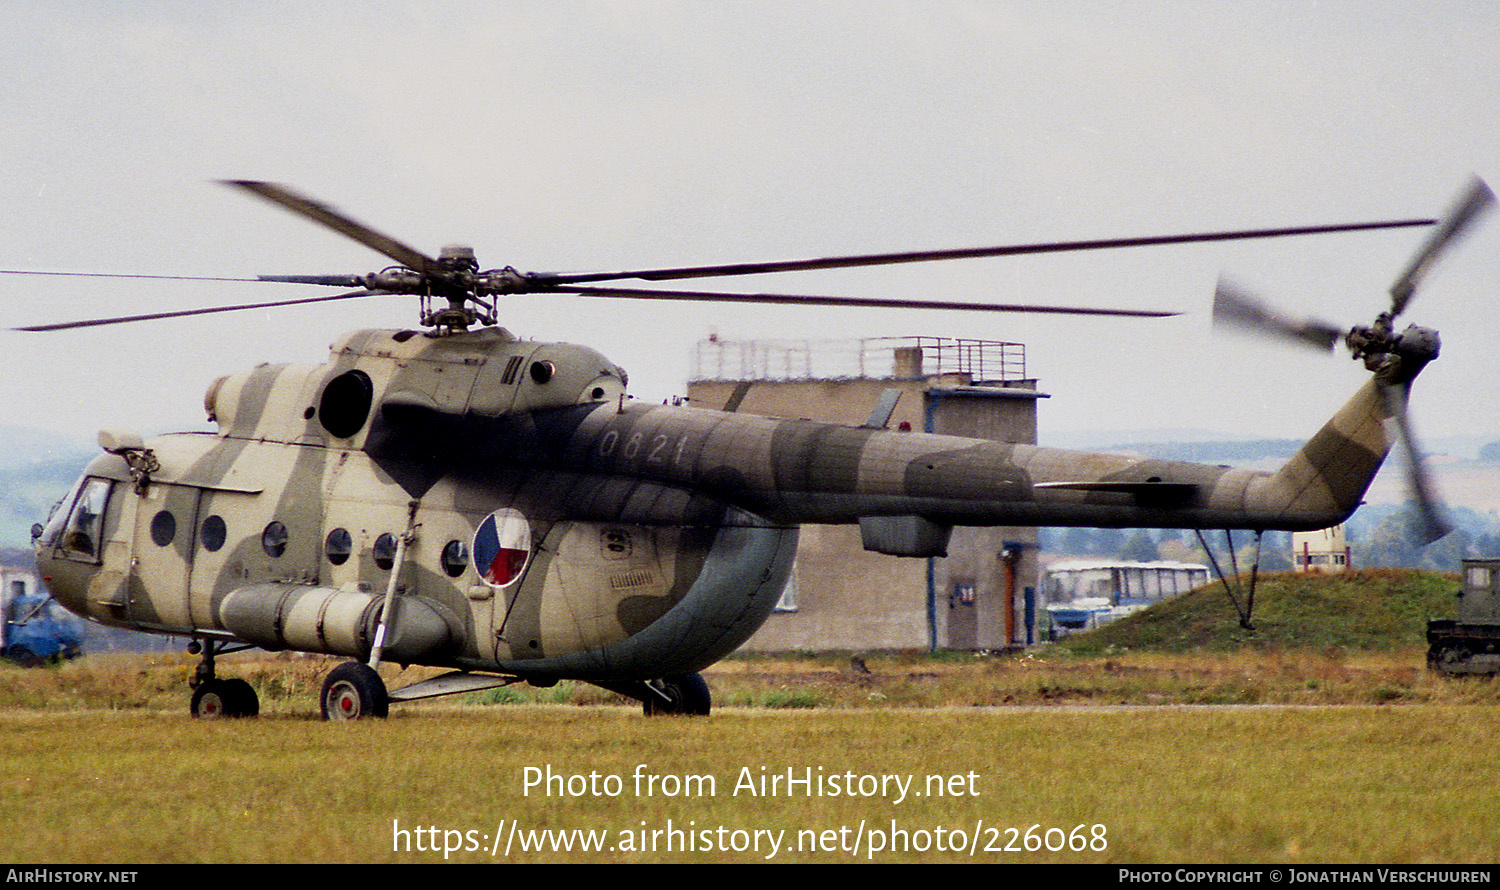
(1432, 517)
(1471, 203)
(1235, 308)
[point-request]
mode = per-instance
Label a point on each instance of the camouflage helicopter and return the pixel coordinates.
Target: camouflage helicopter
(461, 498)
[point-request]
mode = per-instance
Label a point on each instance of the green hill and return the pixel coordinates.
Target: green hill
(1371, 610)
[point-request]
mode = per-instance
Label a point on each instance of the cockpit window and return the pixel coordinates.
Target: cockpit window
(84, 529)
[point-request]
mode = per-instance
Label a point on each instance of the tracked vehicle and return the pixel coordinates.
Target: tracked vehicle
(1471, 644)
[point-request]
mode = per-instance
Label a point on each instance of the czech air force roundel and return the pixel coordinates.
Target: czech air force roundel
(502, 547)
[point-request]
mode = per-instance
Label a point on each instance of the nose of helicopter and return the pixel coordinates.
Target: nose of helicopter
(67, 581)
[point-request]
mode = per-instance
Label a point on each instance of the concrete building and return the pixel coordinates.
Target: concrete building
(1325, 550)
(981, 595)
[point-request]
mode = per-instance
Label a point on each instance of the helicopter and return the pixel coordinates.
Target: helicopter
(457, 497)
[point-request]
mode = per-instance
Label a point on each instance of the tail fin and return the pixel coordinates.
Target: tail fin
(1327, 479)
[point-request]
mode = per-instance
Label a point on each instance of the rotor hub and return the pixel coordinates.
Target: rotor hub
(1404, 355)
(457, 256)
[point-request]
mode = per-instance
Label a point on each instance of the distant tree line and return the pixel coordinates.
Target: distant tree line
(1379, 536)
(1218, 452)
(1178, 545)
(1384, 537)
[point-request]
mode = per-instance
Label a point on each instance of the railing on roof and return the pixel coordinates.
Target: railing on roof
(872, 357)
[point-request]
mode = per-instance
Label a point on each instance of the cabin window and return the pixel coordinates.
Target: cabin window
(214, 533)
(338, 546)
(385, 551)
(163, 528)
(84, 530)
(56, 518)
(345, 405)
(273, 539)
(455, 558)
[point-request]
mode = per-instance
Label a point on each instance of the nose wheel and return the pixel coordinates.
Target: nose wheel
(214, 698)
(225, 698)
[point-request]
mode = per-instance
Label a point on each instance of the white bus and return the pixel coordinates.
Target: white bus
(1084, 594)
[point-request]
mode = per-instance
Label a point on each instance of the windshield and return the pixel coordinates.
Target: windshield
(83, 525)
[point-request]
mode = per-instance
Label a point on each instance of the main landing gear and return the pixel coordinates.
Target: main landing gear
(681, 694)
(216, 698)
(353, 691)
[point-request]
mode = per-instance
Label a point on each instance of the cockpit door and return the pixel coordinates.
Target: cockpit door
(166, 523)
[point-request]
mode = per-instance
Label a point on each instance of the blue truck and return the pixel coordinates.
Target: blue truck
(37, 630)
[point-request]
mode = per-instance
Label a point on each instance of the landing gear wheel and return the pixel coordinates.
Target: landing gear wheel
(242, 699)
(684, 694)
(216, 698)
(23, 656)
(208, 700)
(354, 691)
(224, 698)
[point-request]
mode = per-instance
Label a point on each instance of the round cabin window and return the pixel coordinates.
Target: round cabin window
(455, 558)
(273, 539)
(214, 533)
(163, 528)
(384, 551)
(338, 546)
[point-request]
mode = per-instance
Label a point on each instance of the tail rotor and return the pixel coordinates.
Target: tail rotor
(1395, 358)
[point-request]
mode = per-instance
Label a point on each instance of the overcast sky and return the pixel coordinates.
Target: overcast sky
(577, 136)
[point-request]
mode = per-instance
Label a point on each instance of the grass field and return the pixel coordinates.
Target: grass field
(1282, 784)
(1123, 748)
(1362, 758)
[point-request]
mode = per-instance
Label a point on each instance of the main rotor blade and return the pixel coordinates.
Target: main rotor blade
(1432, 518)
(128, 275)
(813, 300)
(126, 319)
(319, 212)
(923, 256)
(1470, 204)
(329, 280)
(1233, 307)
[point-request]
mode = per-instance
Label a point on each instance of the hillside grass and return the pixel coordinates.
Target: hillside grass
(1374, 610)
